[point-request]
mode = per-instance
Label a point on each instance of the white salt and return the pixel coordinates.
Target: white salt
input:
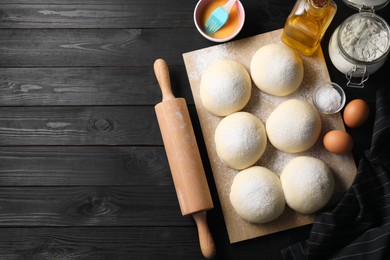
(328, 99)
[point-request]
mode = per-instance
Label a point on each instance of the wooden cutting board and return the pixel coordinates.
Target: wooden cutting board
(261, 105)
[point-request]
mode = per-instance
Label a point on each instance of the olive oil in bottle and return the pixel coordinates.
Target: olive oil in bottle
(307, 23)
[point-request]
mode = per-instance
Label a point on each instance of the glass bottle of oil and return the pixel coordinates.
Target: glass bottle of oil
(307, 23)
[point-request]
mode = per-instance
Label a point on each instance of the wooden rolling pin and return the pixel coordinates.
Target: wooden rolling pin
(184, 159)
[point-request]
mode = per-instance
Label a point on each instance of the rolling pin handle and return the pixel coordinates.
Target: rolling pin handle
(206, 240)
(162, 74)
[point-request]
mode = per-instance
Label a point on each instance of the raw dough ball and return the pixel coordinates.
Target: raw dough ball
(256, 195)
(307, 183)
(294, 126)
(277, 69)
(225, 87)
(240, 140)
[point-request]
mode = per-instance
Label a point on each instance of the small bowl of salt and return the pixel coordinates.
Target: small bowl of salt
(329, 98)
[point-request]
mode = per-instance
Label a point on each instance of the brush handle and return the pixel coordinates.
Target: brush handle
(206, 241)
(229, 5)
(162, 74)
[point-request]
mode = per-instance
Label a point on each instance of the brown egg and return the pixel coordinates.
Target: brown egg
(338, 142)
(356, 113)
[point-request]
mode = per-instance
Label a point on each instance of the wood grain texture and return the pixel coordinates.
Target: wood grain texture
(136, 205)
(96, 47)
(85, 166)
(87, 86)
(99, 243)
(104, 243)
(126, 14)
(144, 3)
(120, 125)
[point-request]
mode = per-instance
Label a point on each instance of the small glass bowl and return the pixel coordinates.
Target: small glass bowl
(324, 99)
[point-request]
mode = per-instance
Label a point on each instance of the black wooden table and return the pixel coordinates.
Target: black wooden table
(83, 172)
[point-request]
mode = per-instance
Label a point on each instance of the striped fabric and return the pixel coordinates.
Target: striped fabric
(359, 226)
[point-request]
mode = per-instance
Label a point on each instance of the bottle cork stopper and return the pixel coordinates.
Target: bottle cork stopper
(319, 3)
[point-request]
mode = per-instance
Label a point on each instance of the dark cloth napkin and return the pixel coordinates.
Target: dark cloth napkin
(359, 226)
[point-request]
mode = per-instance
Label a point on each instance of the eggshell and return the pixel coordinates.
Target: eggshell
(338, 142)
(356, 113)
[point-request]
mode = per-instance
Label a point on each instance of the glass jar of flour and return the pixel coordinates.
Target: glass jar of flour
(361, 44)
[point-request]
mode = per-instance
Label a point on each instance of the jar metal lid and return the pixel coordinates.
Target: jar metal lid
(370, 4)
(374, 19)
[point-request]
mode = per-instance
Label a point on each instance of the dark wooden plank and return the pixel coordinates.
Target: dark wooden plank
(137, 205)
(99, 243)
(149, 3)
(134, 14)
(127, 14)
(99, 47)
(74, 125)
(84, 166)
(96, 47)
(120, 125)
(87, 243)
(87, 86)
